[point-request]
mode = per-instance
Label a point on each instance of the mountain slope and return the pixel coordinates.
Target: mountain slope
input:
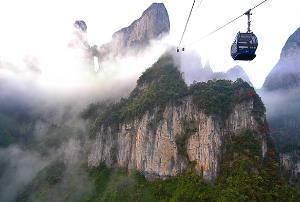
(281, 92)
(163, 125)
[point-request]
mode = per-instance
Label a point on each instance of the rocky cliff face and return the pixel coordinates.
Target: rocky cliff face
(286, 73)
(136, 145)
(290, 162)
(153, 24)
(163, 140)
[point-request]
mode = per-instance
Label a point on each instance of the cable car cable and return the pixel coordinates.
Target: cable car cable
(258, 4)
(216, 30)
(190, 15)
(199, 5)
(187, 22)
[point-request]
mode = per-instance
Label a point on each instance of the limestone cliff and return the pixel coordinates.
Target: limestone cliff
(290, 164)
(161, 138)
(135, 145)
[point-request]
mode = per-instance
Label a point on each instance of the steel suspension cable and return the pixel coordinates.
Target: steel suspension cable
(221, 27)
(187, 22)
(199, 5)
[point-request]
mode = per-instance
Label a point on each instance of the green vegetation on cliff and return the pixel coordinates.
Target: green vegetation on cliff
(219, 97)
(6, 138)
(246, 176)
(8, 130)
(163, 83)
(160, 84)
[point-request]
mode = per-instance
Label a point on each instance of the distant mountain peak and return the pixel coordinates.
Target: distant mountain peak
(237, 68)
(237, 72)
(153, 24)
(286, 73)
(155, 7)
(291, 44)
(80, 25)
(194, 71)
(79, 39)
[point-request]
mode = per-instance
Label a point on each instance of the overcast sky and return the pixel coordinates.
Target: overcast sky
(32, 25)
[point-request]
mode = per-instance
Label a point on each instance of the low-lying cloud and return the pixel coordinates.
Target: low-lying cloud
(44, 95)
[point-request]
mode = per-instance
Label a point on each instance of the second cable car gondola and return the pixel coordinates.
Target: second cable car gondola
(245, 44)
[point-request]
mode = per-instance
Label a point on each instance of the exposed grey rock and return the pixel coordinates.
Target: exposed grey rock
(81, 25)
(150, 147)
(290, 162)
(153, 24)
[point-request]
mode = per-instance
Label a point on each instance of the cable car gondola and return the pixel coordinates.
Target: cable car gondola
(245, 44)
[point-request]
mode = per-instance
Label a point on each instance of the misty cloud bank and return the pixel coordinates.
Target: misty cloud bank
(194, 71)
(18, 168)
(42, 100)
(283, 115)
(281, 102)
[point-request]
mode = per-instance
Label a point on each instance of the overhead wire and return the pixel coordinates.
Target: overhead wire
(228, 23)
(199, 5)
(195, 11)
(187, 22)
(258, 4)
